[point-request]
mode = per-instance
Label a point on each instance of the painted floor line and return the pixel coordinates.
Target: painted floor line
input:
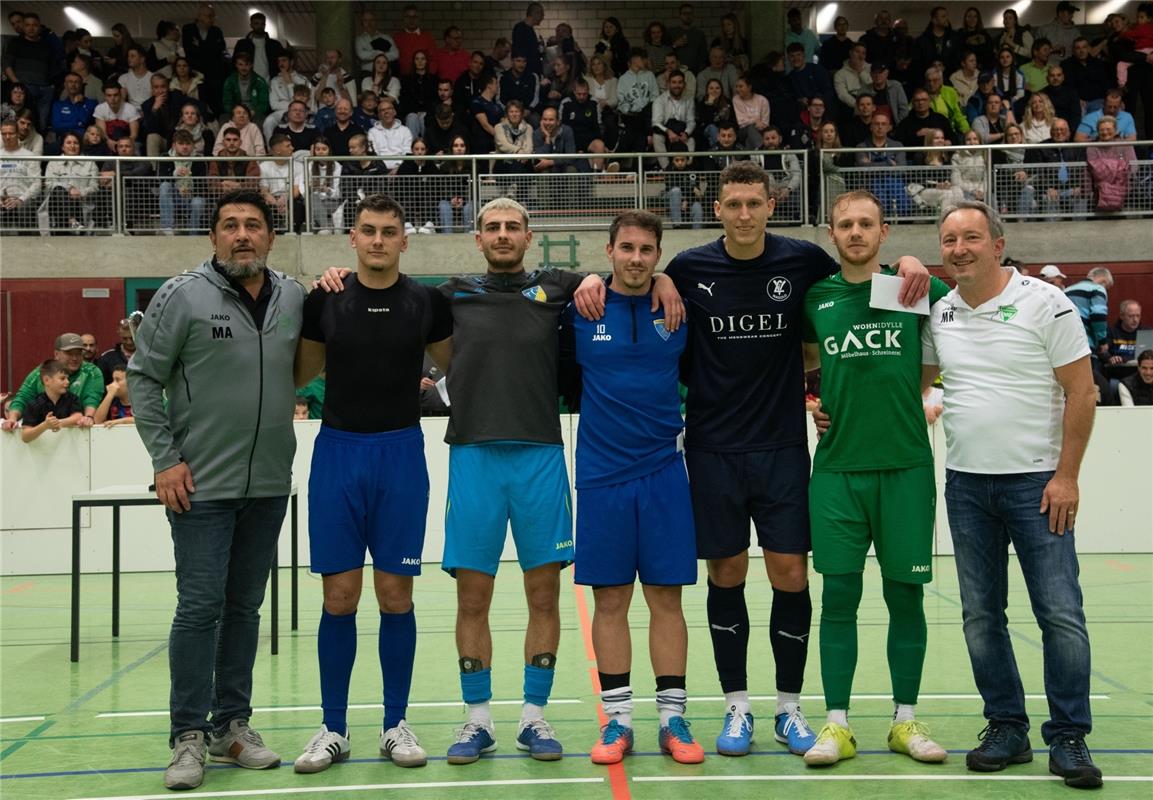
(355, 706)
(808, 776)
(885, 697)
(22, 719)
(569, 756)
(366, 787)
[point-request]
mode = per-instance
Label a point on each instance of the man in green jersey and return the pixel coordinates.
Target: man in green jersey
(872, 477)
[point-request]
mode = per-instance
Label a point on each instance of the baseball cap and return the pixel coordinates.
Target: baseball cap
(69, 341)
(880, 66)
(1052, 271)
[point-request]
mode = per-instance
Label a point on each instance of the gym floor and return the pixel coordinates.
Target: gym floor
(98, 729)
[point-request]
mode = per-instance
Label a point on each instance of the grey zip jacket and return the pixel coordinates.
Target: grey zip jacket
(229, 386)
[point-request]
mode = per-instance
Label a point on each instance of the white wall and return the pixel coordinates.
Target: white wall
(37, 481)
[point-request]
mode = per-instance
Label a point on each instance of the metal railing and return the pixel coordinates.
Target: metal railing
(124, 195)
(1024, 182)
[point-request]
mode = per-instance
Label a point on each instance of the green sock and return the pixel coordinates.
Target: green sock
(908, 635)
(839, 600)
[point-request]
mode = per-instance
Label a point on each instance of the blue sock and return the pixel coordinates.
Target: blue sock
(397, 645)
(476, 687)
(537, 684)
(336, 651)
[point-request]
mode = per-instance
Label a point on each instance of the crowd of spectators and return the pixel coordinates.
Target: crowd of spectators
(671, 87)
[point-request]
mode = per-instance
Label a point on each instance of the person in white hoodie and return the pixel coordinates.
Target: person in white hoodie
(969, 169)
(67, 183)
(389, 136)
(19, 180)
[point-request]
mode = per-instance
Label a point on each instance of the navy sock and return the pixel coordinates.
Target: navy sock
(336, 651)
(729, 628)
(789, 623)
(397, 646)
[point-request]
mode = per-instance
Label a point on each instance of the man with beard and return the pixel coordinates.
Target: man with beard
(219, 342)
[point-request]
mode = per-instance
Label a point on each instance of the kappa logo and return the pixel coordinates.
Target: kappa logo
(779, 289)
(536, 294)
(662, 331)
(708, 288)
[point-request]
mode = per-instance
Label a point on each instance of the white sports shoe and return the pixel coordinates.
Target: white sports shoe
(427, 227)
(401, 745)
(322, 751)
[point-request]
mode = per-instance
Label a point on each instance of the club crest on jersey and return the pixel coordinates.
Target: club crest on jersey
(779, 288)
(659, 327)
(536, 294)
(1006, 313)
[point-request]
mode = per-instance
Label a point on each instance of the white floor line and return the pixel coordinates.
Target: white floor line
(884, 697)
(808, 776)
(366, 787)
(21, 719)
(354, 707)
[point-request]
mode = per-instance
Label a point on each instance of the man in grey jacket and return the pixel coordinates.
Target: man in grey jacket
(219, 343)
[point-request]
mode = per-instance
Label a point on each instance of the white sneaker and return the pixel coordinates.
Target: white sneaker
(322, 751)
(427, 227)
(401, 746)
(409, 229)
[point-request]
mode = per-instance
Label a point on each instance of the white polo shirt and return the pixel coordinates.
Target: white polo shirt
(1003, 407)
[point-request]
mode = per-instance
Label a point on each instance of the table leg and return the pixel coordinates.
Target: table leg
(75, 651)
(115, 570)
(295, 561)
(275, 604)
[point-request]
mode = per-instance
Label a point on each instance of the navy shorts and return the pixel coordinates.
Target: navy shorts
(367, 491)
(770, 487)
(640, 527)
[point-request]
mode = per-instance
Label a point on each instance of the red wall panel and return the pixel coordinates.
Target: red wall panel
(34, 312)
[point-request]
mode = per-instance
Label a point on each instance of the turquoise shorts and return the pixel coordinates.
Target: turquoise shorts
(493, 486)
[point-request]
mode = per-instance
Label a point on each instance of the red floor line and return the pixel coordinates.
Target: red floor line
(21, 587)
(1120, 566)
(618, 780)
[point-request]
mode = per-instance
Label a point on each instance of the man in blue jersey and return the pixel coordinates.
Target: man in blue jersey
(635, 516)
(746, 443)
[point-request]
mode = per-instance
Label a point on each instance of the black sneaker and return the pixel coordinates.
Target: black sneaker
(1002, 744)
(1070, 758)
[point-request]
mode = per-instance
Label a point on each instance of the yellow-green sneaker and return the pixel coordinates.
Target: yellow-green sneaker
(912, 739)
(834, 743)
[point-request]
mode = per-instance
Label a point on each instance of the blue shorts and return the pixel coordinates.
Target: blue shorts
(491, 486)
(771, 487)
(367, 491)
(643, 526)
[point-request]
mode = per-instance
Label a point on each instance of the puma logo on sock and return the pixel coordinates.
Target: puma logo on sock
(800, 638)
(731, 629)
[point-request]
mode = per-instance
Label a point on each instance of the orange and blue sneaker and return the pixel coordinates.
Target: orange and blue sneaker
(677, 742)
(615, 743)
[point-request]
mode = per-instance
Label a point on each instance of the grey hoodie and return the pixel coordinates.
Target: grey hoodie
(229, 386)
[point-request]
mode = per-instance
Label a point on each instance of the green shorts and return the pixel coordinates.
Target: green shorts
(892, 509)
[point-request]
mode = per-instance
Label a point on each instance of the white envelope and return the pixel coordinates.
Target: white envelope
(883, 294)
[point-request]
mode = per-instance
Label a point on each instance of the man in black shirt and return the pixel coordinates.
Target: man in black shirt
(369, 482)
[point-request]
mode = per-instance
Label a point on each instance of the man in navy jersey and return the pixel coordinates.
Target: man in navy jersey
(368, 482)
(745, 437)
(635, 516)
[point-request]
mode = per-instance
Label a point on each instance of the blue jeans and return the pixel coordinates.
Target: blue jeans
(986, 514)
(224, 551)
(446, 217)
(172, 201)
(676, 213)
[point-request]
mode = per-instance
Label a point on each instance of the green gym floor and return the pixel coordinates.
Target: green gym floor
(98, 729)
